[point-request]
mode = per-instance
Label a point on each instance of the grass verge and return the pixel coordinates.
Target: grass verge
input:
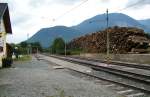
(23, 58)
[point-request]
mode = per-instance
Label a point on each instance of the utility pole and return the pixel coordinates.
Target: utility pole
(37, 50)
(65, 47)
(107, 37)
(51, 50)
(28, 50)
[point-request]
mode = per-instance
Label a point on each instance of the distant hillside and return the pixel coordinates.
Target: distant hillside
(145, 22)
(115, 19)
(47, 35)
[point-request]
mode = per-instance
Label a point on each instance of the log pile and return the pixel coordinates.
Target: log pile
(122, 40)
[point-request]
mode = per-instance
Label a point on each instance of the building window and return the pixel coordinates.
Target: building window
(1, 43)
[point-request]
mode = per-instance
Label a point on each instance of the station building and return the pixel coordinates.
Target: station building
(5, 28)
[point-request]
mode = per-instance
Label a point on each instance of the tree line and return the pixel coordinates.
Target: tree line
(57, 47)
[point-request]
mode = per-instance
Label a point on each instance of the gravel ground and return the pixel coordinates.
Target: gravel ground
(39, 79)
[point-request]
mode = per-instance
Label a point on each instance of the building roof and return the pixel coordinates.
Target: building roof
(2, 8)
(4, 14)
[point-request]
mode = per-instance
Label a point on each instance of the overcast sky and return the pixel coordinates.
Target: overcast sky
(29, 16)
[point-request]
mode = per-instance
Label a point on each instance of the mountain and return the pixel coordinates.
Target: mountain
(115, 19)
(47, 35)
(145, 22)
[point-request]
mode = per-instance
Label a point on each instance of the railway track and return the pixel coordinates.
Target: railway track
(134, 65)
(142, 81)
(130, 75)
(120, 88)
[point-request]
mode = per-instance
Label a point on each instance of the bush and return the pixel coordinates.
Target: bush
(6, 62)
(75, 51)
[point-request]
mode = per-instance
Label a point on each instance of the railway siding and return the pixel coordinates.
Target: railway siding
(125, 78)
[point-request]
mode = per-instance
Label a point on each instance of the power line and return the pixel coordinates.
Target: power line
(107, 19)
(108, 43)
(70, 10)
(132, 5)
(88, 0)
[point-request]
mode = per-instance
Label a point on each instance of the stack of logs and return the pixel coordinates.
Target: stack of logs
(122, 40)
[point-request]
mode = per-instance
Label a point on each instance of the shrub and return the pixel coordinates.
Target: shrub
(6, 62)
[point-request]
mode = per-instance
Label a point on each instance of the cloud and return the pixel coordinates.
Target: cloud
(18, 20)
(34, 3)
(28, 16)
(68, 1)
(137, 3)
(105, 1)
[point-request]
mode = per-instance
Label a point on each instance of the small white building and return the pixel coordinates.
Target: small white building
(5, 28)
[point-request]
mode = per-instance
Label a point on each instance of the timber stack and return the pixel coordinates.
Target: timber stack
(122, 40)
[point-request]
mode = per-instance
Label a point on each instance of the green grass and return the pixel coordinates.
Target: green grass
(24, 58)
(75, 51)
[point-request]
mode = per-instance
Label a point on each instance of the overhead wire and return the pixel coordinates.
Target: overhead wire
(132, 5)
(57, 18)
(70, 10)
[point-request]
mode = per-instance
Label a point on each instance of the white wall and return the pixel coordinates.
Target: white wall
(2, 41)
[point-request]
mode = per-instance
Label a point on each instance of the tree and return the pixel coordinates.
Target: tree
(58, 46)
(24, 44)
(35, 46)
(24, 47)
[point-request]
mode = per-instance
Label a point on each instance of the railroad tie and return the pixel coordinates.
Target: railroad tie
(135, 95)
(124, 91)
(110, 85)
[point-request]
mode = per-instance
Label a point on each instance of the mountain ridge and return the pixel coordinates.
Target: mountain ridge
(46, 35)
(115, 19)
(145, 22)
